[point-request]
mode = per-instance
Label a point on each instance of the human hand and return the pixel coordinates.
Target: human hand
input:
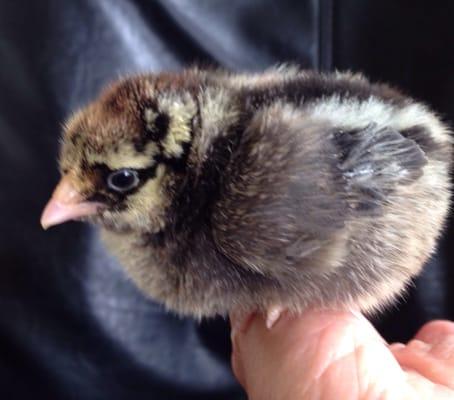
(340, 356)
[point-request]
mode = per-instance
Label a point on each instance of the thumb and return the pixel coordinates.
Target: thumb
(320, 354)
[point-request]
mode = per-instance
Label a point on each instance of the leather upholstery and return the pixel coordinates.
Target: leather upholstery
(72, 326)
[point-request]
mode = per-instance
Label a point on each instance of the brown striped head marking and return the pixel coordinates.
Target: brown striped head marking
(142, 127)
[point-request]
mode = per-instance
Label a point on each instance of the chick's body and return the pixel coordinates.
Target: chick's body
(286, 188)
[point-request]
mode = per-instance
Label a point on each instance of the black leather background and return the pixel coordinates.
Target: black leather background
(71, 325)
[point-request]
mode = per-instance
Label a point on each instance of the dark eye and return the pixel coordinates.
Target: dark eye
(123, 180)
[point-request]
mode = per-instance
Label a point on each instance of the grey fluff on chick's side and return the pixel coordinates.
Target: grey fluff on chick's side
(289, 188)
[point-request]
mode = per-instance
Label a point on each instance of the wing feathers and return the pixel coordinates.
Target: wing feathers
(294, 184)
(373, 161)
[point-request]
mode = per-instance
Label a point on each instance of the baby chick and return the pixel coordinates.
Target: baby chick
(285, 189)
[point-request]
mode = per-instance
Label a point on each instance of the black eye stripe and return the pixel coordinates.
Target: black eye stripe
(147, 173)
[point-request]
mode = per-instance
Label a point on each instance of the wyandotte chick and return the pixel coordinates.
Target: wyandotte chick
(289, 188)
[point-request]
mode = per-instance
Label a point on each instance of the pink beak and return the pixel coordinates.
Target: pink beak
(66, 204)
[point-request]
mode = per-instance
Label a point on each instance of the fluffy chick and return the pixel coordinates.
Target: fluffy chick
(287, 188)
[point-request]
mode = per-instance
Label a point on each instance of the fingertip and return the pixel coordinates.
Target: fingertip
(435, 331)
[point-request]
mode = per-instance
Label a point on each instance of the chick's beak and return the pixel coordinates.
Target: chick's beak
(66, 204)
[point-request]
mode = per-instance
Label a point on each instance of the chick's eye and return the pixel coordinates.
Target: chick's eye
(123, 180)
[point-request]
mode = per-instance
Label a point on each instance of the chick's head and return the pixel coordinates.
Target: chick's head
(124, 156)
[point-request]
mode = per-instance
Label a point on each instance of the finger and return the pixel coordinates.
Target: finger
(422, 388)
(331, 352)
(431, 353)
(435, 330)
(440, 335)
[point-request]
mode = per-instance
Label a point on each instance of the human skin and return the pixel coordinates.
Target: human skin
(331, 355)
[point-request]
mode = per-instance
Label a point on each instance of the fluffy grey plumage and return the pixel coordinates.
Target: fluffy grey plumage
(288, 188)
